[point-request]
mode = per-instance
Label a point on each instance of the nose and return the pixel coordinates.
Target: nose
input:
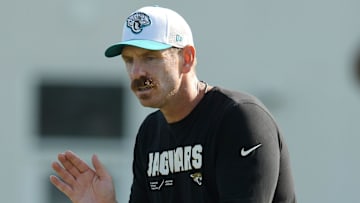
(136, 69)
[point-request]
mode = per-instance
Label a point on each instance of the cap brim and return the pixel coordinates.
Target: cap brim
(116, 49)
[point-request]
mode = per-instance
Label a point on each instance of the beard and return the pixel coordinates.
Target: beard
(152, 94)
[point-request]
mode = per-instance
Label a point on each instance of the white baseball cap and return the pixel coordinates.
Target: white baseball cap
(153, 28)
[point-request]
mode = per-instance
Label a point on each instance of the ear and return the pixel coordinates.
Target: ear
(189, 55)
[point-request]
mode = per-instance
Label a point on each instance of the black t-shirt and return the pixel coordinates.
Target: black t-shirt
(229, 149)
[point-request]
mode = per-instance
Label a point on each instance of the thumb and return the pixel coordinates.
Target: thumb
(99, 167)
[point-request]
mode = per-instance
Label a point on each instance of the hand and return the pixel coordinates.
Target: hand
(80, 183)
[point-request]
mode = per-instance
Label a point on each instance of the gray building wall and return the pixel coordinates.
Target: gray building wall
(294, 55)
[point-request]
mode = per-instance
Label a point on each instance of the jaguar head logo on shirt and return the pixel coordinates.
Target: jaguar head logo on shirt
(197, 178)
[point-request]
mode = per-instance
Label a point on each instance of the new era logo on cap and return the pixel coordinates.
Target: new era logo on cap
(153, 28)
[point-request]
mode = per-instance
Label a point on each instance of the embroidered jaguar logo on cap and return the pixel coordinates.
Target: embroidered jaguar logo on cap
(137, 21)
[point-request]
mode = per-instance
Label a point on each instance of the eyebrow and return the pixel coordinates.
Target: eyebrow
(145, 53)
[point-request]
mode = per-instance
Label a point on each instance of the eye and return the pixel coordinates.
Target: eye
(127, 60)
(150, 58)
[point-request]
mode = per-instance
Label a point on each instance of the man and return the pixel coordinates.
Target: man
(204, 144)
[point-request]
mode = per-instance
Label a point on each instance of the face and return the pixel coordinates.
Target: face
(155, 75)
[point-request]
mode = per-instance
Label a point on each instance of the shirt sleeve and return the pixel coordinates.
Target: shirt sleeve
(248, 155)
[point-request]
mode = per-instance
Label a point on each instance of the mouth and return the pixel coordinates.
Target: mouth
(143, 84)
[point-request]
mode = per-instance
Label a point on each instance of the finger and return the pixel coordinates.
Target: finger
(63, 174)
(60, 185)
(76, 161)
(68, 165)
(99, 167)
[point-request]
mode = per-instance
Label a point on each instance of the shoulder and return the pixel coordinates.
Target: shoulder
(153, 119)
(243, 109)
(246, 120)
(239, 100)
(234, 96)
(151, 123)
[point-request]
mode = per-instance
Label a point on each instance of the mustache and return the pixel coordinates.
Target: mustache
(142, 82)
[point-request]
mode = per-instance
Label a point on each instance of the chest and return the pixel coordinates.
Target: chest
(180, 164)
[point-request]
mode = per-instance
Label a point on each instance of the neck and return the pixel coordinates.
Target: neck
(185, 101)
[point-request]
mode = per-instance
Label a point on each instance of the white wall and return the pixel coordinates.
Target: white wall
(294, 55)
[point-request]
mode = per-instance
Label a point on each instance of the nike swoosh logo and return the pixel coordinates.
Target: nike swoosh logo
(244, 152)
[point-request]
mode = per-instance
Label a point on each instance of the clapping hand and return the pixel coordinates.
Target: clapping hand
(80, 183)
